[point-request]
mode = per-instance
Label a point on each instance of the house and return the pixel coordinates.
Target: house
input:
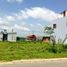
(46, 39)
(21, 38)
(11, 36)
(31, 37)
(60, 28)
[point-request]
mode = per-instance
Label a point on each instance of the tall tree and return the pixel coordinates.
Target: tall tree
(50, 31)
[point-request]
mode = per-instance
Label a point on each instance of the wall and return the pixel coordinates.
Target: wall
(12, 37)
(61, 28)
(1, 36)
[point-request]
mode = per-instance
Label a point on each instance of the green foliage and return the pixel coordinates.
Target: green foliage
(49, 30)
(29, 50)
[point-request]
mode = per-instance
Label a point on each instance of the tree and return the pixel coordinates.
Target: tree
(50, 31)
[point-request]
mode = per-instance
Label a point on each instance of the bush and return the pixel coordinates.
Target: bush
(30, 49)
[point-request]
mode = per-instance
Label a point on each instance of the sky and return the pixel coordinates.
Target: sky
(29, 16)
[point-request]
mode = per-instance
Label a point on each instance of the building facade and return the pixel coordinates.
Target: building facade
(11, 36)
(60, 29)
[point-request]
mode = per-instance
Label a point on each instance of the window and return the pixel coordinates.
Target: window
(54, 25)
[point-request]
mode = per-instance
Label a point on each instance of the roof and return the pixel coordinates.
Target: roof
(9, 33)
(12, 33)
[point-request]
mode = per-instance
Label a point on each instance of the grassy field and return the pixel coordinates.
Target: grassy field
(30, 50)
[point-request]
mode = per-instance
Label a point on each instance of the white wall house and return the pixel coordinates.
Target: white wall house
(10, 37)
(61, 28)
(60, 32)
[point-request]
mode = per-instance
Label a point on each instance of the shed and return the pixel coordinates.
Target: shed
(11, 36)
(46, 39)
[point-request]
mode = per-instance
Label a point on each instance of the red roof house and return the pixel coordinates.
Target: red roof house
(31, 37)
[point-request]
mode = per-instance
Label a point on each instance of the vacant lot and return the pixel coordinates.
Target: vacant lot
(30, 50)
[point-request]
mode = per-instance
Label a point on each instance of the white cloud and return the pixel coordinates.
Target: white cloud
(32, 25)
(19, 1)
(23, 23)
(42, 13)
(21, 27)
(37, 13)
(10, 18)
(39, 24)
(3, 22)
(23, 15)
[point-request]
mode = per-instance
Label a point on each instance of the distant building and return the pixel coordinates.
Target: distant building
(11, 36)
(31, 37)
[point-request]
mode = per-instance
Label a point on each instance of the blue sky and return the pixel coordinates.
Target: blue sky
(29, 15)
(55, 5)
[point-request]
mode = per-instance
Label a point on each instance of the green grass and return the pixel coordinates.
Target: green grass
(29, 50)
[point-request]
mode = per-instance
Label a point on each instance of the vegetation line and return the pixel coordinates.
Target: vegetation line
(10, 51)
